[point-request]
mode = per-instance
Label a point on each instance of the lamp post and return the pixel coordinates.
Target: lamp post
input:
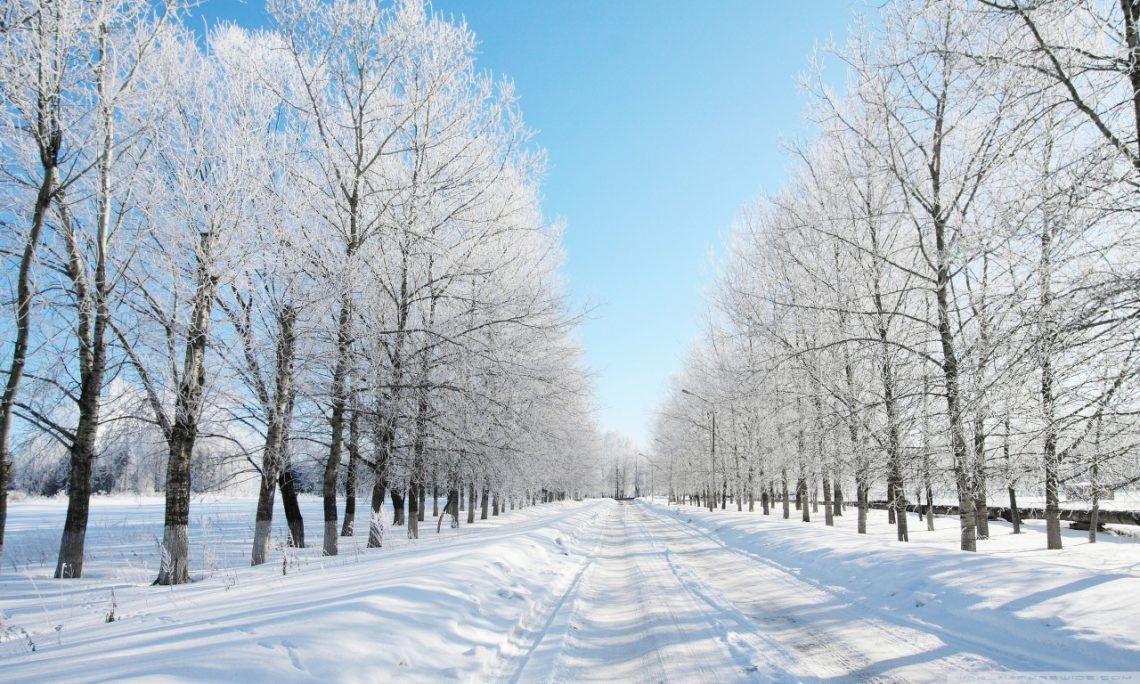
(712, 447)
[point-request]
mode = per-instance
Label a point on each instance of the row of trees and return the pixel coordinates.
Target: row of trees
(307, 254)
(943, 298)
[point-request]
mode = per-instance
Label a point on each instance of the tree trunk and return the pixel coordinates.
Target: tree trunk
(802, 494)
(453, 501)
(376, 514)
(275, 435)
(70, 561)
(48, 155)
(981, 505)
(292, 507)
(263, 518)
(861, 491)
(1014, 514)
(423, 501)
(339, 392)
(929, 508)
(837, 508)
(187, 409)
(413, 512)
(471, 502)
(419, 468)
(899, 504)
(382, 452)
(1094, 484)
(1094, 514)
(828, 511)
(891, 501)
(451, 508)
(91, 327)
(784, 482)
(484, 503)
(962, 470)
(175, 562)
(349, 523)
(1052, 496)
(397, 506)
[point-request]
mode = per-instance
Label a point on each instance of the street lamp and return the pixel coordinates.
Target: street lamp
(712, 448)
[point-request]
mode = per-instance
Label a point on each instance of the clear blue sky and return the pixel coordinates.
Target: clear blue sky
(661, 119)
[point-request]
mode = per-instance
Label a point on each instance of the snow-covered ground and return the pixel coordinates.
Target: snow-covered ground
(568, 592)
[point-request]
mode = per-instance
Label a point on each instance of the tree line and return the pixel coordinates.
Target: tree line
(942, 299)
(312, 256)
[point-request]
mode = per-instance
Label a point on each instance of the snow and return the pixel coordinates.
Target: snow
(572, 591)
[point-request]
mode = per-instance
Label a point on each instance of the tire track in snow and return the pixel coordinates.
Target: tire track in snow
(748, 648)
(521, 650)
(834, 637)
(629, 616)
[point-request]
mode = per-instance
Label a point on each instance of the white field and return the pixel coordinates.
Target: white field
(567, 592)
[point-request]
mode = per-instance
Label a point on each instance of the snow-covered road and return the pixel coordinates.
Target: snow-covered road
(663, 599)
(569, 592)
(659, 601)
(629, 617)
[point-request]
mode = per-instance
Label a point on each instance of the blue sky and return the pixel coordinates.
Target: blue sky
(661, 118)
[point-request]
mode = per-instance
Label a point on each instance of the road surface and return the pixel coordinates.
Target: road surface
(657, 600)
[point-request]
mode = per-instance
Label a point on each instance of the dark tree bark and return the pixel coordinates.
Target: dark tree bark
(413, 512)
(828, 511)
(49, 140)
(416, 486)
(275, 435)
(1014, 514)
(784, 483)
(802, 495)
(376, 519)
(397, 506)
(891, 501)
(293, 518)
(347, 526)
(1048, 398)
(981, 504)
(383, 451)
(929, 508)
(451, 508)
(91, 329)
(175, 568)
(862, 488)
(471, 502)
(339, 400)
